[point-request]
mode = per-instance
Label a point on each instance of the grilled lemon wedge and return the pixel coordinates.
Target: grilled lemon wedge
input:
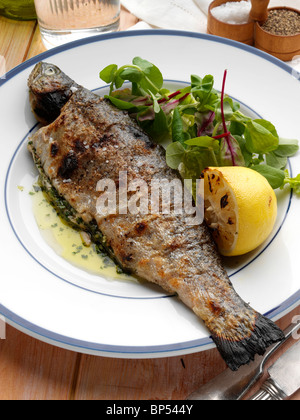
(240, 208)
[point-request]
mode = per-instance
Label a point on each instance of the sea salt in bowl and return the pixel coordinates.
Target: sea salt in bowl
(284, 47)
(234, 12)
(230, 20)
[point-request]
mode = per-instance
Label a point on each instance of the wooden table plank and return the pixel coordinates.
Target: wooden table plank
(36, 46)
(15, 40)
(149, 379)
(33, 370)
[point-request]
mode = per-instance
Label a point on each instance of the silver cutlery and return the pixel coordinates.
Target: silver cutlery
(284, 377)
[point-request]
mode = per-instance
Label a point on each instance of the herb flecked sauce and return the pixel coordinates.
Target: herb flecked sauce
(67, 242)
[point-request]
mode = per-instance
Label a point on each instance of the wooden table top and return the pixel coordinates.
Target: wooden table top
(33, 370)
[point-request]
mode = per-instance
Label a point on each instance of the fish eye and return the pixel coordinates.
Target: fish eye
(50, 71)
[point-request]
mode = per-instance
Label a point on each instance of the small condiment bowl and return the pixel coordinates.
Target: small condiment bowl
(238, 32)
(284, 47)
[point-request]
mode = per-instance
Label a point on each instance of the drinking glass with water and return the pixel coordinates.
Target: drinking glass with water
(69, 20)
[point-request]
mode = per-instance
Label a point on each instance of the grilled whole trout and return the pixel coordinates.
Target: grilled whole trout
(91, 140)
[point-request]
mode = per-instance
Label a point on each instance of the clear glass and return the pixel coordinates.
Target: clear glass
(63, 21)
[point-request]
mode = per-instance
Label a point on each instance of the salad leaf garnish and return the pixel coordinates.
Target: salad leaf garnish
(144, 76)
(274, 176)
(292, 182)
(261, 136)
(199, 125)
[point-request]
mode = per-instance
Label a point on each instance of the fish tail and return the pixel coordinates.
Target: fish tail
(238, 353)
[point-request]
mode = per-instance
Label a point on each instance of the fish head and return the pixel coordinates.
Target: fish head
(47, 77)
(49, 90)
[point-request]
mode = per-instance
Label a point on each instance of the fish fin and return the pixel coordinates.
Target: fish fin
(239, 353)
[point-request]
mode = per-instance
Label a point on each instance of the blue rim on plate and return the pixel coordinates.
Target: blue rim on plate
(104, 349)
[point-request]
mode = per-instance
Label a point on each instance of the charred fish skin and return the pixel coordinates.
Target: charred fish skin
(49, 90)
(92, 140)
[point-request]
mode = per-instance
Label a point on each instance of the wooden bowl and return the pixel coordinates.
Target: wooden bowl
(284, 47)
(243, 33)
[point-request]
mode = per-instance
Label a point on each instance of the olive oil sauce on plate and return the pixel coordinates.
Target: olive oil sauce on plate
(69, 244)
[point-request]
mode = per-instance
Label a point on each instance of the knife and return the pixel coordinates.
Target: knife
(231, 385)
(284, 377)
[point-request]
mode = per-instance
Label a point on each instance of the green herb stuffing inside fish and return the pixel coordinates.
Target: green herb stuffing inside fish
(91, 140)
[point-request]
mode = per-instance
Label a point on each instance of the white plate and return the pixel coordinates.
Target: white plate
(45, 296)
